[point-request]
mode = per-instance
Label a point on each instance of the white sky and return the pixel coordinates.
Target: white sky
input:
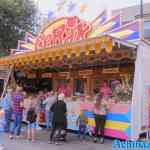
(94, 7)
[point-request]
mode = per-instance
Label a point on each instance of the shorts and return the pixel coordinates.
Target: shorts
(32, 125)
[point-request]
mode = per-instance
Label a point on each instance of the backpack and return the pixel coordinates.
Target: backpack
(31, 115)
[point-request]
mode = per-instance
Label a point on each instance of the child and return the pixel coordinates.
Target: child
(1, 128)
(31, 118)
(82, 124)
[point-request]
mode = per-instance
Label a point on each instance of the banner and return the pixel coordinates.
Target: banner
(100, 19)
(128, 32)
(24, 46)
(113, 23)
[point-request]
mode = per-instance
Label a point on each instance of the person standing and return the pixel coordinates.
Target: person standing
(82, 122)
(1, 129)
(18, 101)
(6, 104)
(105, 90)
(51, 98)
(59, 122)
(31, 119)
(100, 111)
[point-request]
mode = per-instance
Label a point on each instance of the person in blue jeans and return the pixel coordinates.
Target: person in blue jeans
(82, 124)
(1, 128)
(18, 102)
(6, 104)
(48, 102)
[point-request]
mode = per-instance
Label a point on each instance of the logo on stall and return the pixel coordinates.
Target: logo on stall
(62, 31)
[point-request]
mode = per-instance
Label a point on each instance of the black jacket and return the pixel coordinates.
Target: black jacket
(31, 115)
(59, 110)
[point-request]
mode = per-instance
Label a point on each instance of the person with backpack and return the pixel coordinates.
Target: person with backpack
(31, 119)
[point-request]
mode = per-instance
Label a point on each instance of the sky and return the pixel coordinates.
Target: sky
(86, 9)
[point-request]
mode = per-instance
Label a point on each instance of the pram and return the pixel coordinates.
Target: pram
(60, 135)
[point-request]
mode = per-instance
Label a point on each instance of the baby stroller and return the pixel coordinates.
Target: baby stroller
(60, 135)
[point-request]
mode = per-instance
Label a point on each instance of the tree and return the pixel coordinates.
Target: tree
(16, 18)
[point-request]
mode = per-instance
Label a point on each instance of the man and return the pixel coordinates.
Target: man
(6, 105)
(18, 101)
(51, 98)
(59, 122)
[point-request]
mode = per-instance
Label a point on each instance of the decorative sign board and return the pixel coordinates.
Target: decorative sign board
(63, 30)
(110, 70)
(85, 72)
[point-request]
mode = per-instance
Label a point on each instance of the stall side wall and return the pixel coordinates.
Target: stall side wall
(140, 97)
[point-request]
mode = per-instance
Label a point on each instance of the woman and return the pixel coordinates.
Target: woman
(18, 101)
(59, 110)
(100, 111)
(105, 90)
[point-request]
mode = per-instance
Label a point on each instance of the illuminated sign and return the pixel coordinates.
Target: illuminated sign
(62, 31)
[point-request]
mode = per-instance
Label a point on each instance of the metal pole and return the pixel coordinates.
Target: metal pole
(141, 10)
(141, 20)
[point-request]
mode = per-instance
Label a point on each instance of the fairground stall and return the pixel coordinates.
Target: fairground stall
(66, 57)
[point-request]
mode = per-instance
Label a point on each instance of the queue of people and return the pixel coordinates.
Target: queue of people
(14, 106)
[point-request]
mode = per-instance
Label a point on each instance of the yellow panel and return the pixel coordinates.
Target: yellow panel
(61, 54)
(91, 122)
(109, 47)
(77, 52)
(98, 48)
(116, 125)
(101, 29)
(69, 53)
(122, 34)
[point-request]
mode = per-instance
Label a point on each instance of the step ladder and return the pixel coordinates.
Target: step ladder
(5, 74)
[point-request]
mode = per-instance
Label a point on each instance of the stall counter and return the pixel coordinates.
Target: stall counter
(117, 122)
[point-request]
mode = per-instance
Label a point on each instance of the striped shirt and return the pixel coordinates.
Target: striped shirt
(17, 98)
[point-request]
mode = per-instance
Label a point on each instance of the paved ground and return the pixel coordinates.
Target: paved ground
(42, 143)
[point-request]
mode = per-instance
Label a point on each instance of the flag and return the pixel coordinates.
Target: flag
(29, 38)
(100, 18)
(129, 32)
(24, 46)
(113, 23)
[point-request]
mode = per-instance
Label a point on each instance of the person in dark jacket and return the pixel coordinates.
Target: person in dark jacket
(59, 121)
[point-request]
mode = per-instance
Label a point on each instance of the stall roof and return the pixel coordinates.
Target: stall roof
(68, 49)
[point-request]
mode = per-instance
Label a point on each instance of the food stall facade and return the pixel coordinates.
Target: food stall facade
(82, 63)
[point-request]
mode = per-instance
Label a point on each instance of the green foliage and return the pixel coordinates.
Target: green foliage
(16, 18)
